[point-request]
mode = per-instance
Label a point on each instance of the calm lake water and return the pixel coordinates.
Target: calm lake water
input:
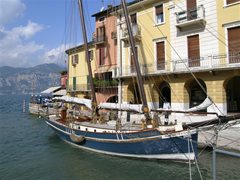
(29, 149)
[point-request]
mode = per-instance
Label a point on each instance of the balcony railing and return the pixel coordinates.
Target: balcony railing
(79, 88)
(191, 17)
(136, 30)
(204, 63)
(100, 39)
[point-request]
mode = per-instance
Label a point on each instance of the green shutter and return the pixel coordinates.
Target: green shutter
(67, 85)
(74, 83)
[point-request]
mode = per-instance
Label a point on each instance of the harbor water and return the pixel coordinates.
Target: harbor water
(29, 149)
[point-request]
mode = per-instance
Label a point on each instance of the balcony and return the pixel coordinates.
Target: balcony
(193, 18)
(79, 88)
(136, 30)
(201, 64)
(146, 69)
(207, 63)
(101, 83)
(98, 40)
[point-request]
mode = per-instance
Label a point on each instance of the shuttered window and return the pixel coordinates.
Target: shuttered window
(133, 18)
(193, 51)
(232, 1)
(234, 44)
(101, 34)
(101, 56)
(74, 83)
(159, 14)
(160, 55)
(133, 69)
(191, 9)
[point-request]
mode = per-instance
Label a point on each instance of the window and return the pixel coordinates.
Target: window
(90, 54)
(133, 18)
(75, 59)
(101, 19)
(160, 49)
(101, 34)
(191, 9)
(101, 56)
(159, 14)
(234, 44)
(193, 51)
(132, 65)
(232, 1)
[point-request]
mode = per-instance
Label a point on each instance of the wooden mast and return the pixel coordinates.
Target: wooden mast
(94, 100)
(139, 75)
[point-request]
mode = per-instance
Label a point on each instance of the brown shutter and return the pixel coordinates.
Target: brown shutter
(191, 4)
(193, 51)
(234, 44)
(101, 55)
(160, 55)
(159, 9)
(232, 1)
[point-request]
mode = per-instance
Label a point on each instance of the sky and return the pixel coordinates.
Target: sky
(34, 32)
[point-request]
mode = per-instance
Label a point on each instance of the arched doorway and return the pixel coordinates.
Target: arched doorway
(196, 94)
(134, 94)
(164, 95)
(233, 95)
(113, 99)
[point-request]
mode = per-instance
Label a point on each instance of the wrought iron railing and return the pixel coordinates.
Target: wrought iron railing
(208, 62)
(189, 15)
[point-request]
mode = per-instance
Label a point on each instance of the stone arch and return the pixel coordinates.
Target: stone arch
(232, 88)
(113, 99)
(196, 95)
(164, 94)
(133, 94)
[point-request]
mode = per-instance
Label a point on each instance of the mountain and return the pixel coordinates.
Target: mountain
(29, 80)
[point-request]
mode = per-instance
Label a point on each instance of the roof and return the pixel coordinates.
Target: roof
(114, 8)
(78, 48)
(51, 90)
(61, 92)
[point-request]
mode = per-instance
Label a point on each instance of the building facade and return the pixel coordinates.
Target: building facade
(187, 50)
(105, 42)
(78, 76)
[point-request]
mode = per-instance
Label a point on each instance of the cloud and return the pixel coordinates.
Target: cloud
(10, 9)
(16, 49)
(56, 55)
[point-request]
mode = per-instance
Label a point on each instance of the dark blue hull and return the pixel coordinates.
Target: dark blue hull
(143, 144)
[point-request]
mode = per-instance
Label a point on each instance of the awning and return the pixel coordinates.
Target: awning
(61, 92)
(51, 90)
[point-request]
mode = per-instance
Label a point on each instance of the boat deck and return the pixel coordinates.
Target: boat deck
(125, 127)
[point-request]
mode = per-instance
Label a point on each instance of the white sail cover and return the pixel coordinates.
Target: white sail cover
(68, 99)
(122, 107)
(205, 104)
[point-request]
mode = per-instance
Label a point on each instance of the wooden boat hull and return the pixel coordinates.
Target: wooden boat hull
(150, 144)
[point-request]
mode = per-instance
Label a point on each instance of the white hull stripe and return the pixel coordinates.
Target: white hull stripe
(125, 140)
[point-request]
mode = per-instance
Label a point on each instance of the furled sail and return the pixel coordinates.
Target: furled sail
(204, 105)
(68, 99)
(121, 107)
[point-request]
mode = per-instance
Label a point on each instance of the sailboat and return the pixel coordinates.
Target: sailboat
(150, 139)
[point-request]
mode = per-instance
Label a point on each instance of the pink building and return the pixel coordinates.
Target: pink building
(63, 79)
(105, 40)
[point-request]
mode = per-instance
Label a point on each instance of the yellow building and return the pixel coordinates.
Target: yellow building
(187, 50)
(78, 76)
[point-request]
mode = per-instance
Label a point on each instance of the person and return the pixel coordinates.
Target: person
(166, 120)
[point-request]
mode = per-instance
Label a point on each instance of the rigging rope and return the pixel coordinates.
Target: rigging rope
(186, 66)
